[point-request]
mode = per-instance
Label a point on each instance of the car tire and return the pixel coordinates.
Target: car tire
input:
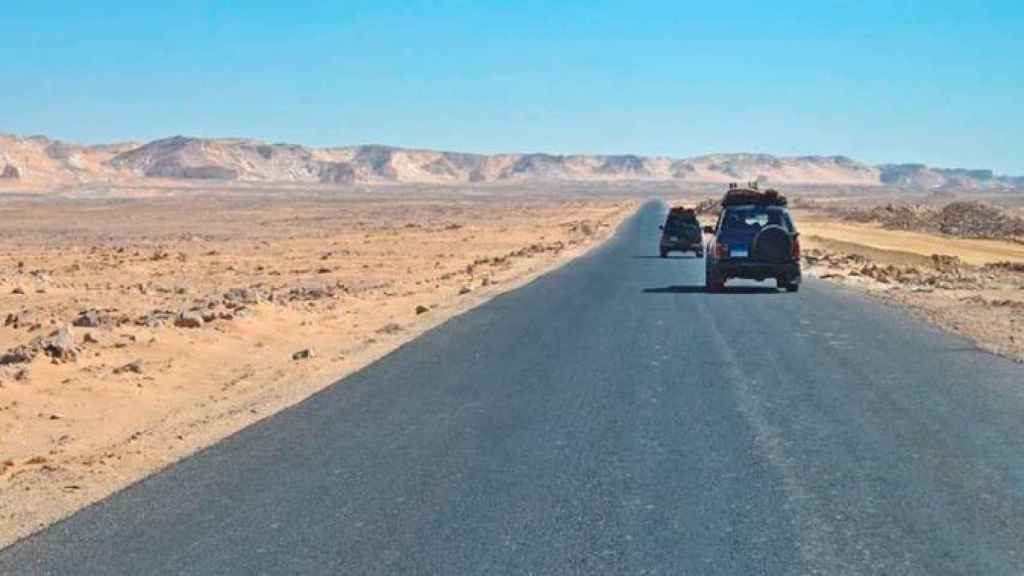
(664, 253)
(699, 253)
(712, 281)
(787, 286)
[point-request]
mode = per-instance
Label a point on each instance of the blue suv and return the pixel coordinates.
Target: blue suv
(754, 238)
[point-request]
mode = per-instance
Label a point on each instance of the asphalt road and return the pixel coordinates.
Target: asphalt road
(608, 418)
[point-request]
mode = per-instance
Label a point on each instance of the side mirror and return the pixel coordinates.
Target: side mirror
(660, 227)
(709, 229)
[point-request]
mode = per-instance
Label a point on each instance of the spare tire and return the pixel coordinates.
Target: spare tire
(773, 245)
(692, 234)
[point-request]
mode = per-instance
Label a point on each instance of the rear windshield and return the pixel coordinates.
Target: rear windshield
(752, 218)
(676, 221)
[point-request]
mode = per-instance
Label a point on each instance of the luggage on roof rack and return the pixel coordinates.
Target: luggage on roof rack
(680, 210)
(736, 196)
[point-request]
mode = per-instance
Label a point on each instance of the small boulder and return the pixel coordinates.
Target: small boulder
(421, 309)
(304, 354)
(135, 367)
(189, 319)
(19, 355)
(88, 319)
(60, 346)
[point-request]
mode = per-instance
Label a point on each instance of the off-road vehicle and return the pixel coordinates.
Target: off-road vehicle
(754, 238)
(681, 233)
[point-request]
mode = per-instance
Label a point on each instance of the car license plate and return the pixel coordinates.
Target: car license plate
(739, 252)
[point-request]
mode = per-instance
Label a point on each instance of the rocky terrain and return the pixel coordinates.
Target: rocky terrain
(135, 331)
(984, 303)
(38, 163)
(965, 219)
(960, 265)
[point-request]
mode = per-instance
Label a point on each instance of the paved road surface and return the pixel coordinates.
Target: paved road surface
(609, 418)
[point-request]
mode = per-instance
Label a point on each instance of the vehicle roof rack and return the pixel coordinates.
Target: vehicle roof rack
(751, 195)
(680, 210)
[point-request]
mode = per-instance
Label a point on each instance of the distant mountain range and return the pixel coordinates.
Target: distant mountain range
(37, 162)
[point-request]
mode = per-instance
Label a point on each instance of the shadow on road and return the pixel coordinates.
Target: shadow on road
(669, 257)
(702, 290)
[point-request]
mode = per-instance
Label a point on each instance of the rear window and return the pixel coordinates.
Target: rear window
(752, 218)
(677, 220)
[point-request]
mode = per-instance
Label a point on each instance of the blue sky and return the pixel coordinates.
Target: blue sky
(936, 82)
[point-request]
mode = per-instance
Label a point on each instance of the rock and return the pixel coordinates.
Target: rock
(238, 296)
(189, 319)
(209, 316)
(18, 290)
(19, 355)
(421, 309)
(60, 346)
(90, 339)
(88, 319)
(464, 290)
(304, 354)
(135, 367)
(10, 172)
(21, 375)
(155, 319)
(305, 293)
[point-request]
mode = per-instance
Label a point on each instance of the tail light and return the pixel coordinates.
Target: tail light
(796, 249)
(721, 251)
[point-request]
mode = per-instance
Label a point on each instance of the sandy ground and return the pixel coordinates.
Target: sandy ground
(971, 251)
(974, 287)
(192, 317)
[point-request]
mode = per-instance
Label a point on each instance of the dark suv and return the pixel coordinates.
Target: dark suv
(754, 238)
(681, 233)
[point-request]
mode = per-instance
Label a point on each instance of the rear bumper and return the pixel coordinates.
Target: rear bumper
(681, 245)
(789, 271)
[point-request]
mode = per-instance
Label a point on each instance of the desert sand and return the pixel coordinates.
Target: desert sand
(135, 331)
(140, 324)
(971, 286)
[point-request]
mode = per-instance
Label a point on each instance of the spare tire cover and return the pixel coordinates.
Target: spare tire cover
(772, 245)
(692, 234)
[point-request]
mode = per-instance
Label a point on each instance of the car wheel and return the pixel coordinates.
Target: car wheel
(788, 286)
(699, 253)
(664, 253)
(712, 281)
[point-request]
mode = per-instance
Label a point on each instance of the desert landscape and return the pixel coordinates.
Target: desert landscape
(135, 331)
(958, 264)
(157, 297)
(38, 163)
